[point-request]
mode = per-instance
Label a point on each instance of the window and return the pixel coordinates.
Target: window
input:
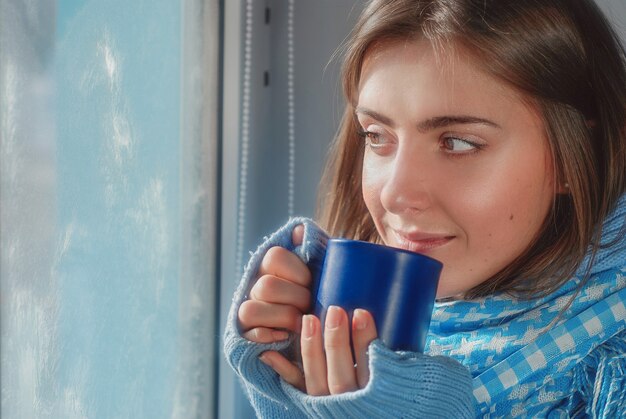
(108, 206)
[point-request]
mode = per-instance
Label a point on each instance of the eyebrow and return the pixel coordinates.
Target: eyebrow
(431, 123)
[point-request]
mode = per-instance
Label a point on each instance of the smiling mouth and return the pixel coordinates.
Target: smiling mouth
(421, 245)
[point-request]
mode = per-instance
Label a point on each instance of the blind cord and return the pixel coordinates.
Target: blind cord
(245, 141)
(245, 127)
(291, 111)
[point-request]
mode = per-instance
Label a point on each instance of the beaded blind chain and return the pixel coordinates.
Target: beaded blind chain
(245, 126)
(245, 140)
(291, 111)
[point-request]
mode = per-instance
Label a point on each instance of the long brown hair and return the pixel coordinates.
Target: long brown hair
(564, 58)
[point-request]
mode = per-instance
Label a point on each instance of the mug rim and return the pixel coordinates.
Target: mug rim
(341, 240)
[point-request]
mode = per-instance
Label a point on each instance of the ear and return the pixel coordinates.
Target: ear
(562, 188)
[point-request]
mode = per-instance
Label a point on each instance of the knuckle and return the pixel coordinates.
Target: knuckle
(362, 338)
(307, 349)
(332, 346)
(248, 310)
(335, 340)
(273, 256)
(264, 288)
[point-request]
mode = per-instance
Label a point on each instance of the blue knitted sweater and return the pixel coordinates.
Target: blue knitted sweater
(492, 357)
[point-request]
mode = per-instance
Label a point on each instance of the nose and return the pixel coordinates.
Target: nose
(408, 186)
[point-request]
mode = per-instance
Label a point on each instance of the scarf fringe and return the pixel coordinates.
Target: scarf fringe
(599, 377)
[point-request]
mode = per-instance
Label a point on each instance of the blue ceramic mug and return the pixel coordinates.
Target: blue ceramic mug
(396, 286)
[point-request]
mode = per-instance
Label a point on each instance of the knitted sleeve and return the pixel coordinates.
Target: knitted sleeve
(261, 383)
(402, 384)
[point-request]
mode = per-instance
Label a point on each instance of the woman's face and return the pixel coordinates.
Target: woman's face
(456, 166)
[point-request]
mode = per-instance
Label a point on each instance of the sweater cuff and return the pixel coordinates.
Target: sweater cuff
(402, 384)
(261, 382)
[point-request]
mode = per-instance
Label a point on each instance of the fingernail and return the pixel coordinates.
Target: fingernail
(308, 327)
(333, 317)
(359, 320)
(279, 335)
(265, 359)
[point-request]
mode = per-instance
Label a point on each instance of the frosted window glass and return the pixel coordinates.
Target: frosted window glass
(102, 314)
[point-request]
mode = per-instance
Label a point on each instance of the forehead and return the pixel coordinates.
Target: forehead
(445, 58)
(418, 66)
(408, 82)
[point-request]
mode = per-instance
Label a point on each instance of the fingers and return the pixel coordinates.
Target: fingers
(282, 263)
(276, 290)
(341, 371)
(363, 333)
(327, 363)
(279, 296)
(265, 335)
(255, 313)
(297, 235)
(288, 371)
(313, 359)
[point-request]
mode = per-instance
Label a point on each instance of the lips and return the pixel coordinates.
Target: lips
(421, 242)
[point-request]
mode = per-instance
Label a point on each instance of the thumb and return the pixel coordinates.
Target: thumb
(297, 235)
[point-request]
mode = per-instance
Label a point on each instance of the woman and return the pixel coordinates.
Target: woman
(491, 136)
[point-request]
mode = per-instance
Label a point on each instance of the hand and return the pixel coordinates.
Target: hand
(333, 371)
(279, 297)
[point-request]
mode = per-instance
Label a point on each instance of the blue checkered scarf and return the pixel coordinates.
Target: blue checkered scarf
(541, 357)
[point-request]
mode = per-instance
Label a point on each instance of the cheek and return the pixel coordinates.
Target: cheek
(508, 211)
(370, 188)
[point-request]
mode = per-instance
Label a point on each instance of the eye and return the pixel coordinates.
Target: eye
(374, 140)
(456, 145)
